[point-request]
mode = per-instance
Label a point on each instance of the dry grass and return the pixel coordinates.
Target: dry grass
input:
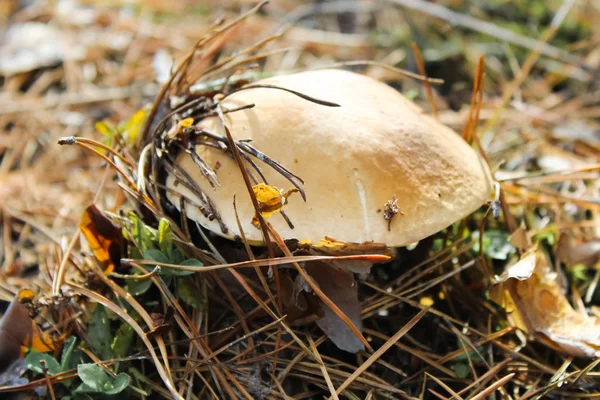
(430, 330)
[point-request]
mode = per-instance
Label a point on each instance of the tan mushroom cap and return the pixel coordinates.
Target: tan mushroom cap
(352, 158)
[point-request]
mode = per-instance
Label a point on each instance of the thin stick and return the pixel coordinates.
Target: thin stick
(421, 66)
(375, 356)
(62, 268)
(446, 387)
(69, 141)
(468, 130)
(47, 378)
(323, 368)
(492, 388)
(399, 71)
(260, 263)
(92, 142)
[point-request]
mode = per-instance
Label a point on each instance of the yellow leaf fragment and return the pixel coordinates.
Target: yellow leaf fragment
(42, 341)
(178, 129)
(270, 200)
(106, 128)
(530, 292)
(134, 126)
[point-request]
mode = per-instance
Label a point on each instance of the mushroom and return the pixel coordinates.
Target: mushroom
(375, 169)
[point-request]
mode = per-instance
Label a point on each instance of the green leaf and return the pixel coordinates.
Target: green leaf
(177, 257)
(192, 262)
(67, 353)
(579, 272)
(119, 383)
(139, 376)
(93, 377)
(178, 272)
(95, 380)
(99, 336)
(156, 255)
(122, 341)
(142, 235)
(33, 362)
(135, 254)
(138, 287)
(165, 236)
(462, 370)
(190, 293)
(470, 353)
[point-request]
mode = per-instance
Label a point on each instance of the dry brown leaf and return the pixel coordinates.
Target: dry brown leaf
(587, 253)
(519, 238)
(342, 289)
(530, 293)
(103, 237)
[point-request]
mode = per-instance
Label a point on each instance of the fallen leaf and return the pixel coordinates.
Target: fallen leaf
(20, 332)
(270, 200)
(519, 238)
(342, 290)
(571, 253)
(530, 293)
(103, 237)
(300, 304)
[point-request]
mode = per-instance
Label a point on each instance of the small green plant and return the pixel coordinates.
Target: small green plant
(94, 381)
(157, 245)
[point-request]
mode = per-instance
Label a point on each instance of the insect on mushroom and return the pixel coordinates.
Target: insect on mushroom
(376, 146)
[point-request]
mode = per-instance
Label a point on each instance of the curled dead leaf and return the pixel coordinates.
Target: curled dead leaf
(103, 237)
(530, 293)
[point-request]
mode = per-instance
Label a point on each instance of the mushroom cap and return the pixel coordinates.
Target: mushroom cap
(353, 160)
